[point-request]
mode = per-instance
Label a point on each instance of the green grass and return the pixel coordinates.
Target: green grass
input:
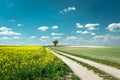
(108, 56)
(102, 74)
(30, 63)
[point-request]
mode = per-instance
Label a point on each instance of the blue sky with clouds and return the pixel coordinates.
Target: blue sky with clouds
(72, 22)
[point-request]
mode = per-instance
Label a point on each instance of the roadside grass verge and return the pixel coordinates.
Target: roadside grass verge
(102, 74)
(106, 62)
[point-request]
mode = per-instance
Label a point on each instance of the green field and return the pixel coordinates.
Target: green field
(109, 56)
(30, 63)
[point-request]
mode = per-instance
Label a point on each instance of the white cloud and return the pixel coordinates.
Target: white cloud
(71, 38)
(61, 12)
(92, 26)
(5, 38)
(86, 32)
(68, 9)
(5, 29)
(16, 37)
(107, 38)
(78, 25)
(44, 37)
(19, 25)
(8, 31)
(114, 27)
(57, 37)
(12, 20)
(56, 34)
(93, 34)
(54, 27)
(32, 37)
(43, 28)
(97, 37)
(82, 32)
(71, 8)
(43, 40)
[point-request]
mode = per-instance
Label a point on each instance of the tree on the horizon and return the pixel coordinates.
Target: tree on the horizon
(55, 42)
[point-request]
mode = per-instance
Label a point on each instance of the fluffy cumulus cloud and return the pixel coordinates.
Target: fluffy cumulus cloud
(55, 27)
(71, 38)
(78, 25)
(56, 34)
(92, 26)
(82, 32)
(86, 32)
(106, 38)
(68, 9)
(100, 36)
(8, 31)
(43, 28)
(5, 29)
(16, 37)
(57, 37)
(32, 37)
(5, 38)
(12, 20)
(114, 27)
(44, 37)
(43, 41)
(19, 25)
(93, 34)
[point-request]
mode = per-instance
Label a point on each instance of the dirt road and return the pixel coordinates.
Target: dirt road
(82, 72)
(108, 69)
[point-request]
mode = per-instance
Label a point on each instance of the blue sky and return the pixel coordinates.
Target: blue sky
(72, 22)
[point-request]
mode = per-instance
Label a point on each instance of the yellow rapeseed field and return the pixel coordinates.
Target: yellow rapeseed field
(30, 63)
